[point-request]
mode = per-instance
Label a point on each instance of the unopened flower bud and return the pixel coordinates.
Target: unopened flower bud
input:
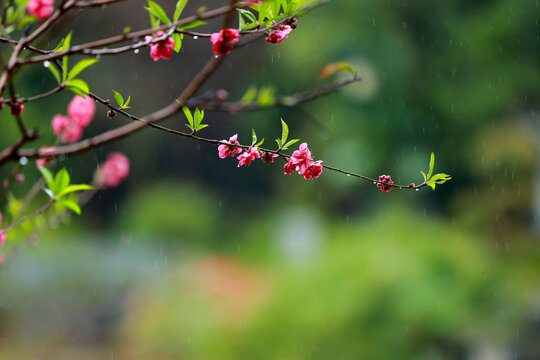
(16, 107)
(111, 114)
(222, 95)
(293, 23)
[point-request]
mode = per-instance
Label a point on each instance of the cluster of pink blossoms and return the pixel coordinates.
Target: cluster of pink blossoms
(80, 113)
(41, 9)
(161, 49)
(302, 162)
(2, 240)
(113, 171)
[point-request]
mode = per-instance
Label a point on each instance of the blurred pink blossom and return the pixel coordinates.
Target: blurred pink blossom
(82, 109)
(41, 9)
(113, 171)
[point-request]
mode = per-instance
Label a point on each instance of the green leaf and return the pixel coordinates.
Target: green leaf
(125, 106)
(127, 29)
(47, 175)
(284, 132)
(80, 66)
(248, 14)
(291, 142)
(250, 95)
(191, 25)
(78, 84)
(65, 45)
(266, 96)
(64, 67)
(431, 165)
(61, 181)
(119, 98)
(158, 12)
(189, 117)
(74, 188)
(253, 137)
(202, 127)
(179, 8)
(259, 143)
(177, 41)
(440, 178)
(71, 204)
(279, 143)
(53, 70)
(424, 175)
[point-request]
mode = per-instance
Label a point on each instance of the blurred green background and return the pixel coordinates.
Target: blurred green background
(194, 258)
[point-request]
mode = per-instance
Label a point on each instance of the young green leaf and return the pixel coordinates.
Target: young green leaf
(119, 98)
(71, 204)
(78, 84)
(431, 165)
(74, 188)
(158, 12)
(61, 181)
(47, 175)
(179, 8)
(191, 25)
(125, 106)
(290, 143)
(53, 70)
(80, 66)
(250, 95)
(253, 137)
(189, 117)
(177, 41)
(259, 143)
(284, 132)
(279, 143)
(248, 14)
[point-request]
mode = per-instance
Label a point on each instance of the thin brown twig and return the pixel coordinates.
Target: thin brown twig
(129, 36)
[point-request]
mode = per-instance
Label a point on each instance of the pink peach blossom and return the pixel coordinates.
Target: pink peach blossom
(161, 49)
(314, 171)
(279, 34)
(302, 158)
(2, 233)
(67, 128)
(113, 171)
(228, 150)
(249, 155)
(82, 109)
(385, 182)
(289, 168)
(224, 41)
(41, 9)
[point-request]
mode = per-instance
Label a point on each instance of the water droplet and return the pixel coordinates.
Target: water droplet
(416, 189)
(136, 51)
(46, 64)
(195, 37)
(217, 56)
(348, 174)
(23, 161)
(98, 56)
